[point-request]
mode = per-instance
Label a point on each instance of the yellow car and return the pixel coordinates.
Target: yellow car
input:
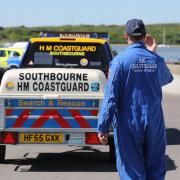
(6, 53)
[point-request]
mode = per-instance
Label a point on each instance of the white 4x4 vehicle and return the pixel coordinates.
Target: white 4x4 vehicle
(55, 95)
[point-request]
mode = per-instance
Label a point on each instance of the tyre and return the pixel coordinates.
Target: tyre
(2, 153)
(112, 153)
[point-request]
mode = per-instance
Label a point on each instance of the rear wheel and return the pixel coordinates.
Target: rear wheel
(112, 154)
(2, 153)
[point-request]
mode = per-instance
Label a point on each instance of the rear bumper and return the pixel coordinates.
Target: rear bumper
(49, 137)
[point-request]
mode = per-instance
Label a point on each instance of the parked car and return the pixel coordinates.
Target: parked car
(13, 62)
(6, 53)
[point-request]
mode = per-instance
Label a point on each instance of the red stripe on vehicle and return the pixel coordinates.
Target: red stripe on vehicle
(22, 118)
(94, 112)
(79, 118)
(46, 115)
(41, 120)
(8, 112)
(60, 120)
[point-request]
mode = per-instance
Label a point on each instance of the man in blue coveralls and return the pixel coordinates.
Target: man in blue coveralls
(132, 103)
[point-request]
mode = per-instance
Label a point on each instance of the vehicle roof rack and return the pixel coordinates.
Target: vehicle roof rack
(99, 35)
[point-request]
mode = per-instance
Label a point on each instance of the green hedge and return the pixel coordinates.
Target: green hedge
(171, 31)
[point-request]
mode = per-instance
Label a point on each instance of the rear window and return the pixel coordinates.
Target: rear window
(77, 55)
(2, 53)
(13, 54)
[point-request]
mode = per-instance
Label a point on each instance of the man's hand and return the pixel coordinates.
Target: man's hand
(150, 42)
(103, 138)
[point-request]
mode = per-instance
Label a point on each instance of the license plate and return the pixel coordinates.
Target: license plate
(42, 138)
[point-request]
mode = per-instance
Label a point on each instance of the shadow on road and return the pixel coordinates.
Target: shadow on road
(170, 164)
(70, 161)
(80, 160)
(173, 136)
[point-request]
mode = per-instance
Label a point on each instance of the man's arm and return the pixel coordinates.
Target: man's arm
(165, 76)
(110, 102)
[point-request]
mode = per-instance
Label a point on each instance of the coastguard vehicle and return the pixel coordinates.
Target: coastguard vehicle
(55, 95)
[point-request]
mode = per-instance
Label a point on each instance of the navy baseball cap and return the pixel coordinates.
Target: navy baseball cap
(135, 27)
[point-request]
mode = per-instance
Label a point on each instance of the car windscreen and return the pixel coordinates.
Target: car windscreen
(66, 54)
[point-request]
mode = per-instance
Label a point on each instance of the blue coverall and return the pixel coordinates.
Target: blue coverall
(132, 103)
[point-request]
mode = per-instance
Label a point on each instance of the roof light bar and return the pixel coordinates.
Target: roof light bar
(99, 35)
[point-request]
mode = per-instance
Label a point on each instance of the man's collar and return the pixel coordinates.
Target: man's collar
(137, 44)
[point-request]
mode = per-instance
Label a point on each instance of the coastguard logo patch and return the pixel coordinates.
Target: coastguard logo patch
(9, 85)
(95, 86)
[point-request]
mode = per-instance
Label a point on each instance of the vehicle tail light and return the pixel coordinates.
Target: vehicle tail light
(92, 138)
(9, 138)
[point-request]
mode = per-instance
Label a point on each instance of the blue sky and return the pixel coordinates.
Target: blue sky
(74, 12)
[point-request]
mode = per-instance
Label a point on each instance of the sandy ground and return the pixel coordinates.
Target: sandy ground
(174, 87)
(175, 68)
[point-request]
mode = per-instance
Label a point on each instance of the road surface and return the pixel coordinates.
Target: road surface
(66, 163)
